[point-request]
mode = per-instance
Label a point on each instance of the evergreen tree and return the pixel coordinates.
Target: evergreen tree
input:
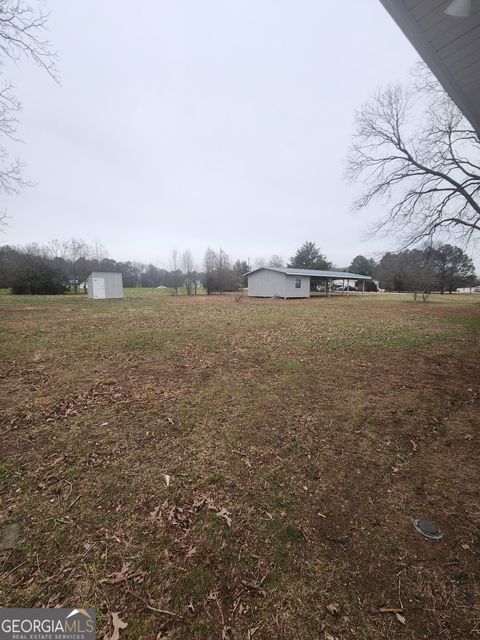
(37, 277)
(363, 266)
(308, 256)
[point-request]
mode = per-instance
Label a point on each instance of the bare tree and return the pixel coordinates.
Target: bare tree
(21, 27)
(413, 148)
(218, 275)
(188, 269)
(11, 179)
(35, 249)
(137, 269)
(99, 252)
(176, 273)
(210, 265)
(276, 262)
(76, 249)
(259, 262)
(57, 248)
(223, 270)
(421, 271)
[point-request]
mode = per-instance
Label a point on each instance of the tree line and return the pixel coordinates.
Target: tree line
(58, 267)
(441, 267)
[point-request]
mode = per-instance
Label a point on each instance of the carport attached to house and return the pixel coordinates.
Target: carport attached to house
(269, 282)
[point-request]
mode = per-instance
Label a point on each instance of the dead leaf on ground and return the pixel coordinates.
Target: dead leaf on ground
(155, 513)
(400, 618)
(118, 624)
(223, 513)
(120, 576)
(333, 608)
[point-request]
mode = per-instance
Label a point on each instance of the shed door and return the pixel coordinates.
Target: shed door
(98, 288)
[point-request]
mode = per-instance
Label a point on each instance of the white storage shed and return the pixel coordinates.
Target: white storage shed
(105, 284)
(270, 282)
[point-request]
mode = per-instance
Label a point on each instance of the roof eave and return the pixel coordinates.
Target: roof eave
(332, 275)
(249, 273)
(400, 13)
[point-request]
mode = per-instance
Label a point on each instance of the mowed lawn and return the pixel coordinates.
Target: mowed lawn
(210, 468)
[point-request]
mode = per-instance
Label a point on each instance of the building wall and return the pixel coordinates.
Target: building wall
(292, 292)
(267, 284)
(90, 286)
(112, 282)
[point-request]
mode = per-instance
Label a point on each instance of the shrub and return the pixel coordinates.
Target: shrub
(369, 285)
(38, 278)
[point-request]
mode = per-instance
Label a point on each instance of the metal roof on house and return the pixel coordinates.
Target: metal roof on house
(335, 275)
(450, 46)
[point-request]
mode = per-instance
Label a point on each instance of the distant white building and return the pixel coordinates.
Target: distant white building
(270, 282)
(468, 290)
(105, 284)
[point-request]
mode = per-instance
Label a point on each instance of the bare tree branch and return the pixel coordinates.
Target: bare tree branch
(21, 29)
(424, 164)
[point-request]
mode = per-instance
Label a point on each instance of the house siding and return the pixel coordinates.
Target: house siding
(292, 292)
(267, 284)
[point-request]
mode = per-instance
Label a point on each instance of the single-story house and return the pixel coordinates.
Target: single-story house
(271, 282)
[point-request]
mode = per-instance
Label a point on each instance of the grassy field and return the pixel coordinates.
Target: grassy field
(210, 468)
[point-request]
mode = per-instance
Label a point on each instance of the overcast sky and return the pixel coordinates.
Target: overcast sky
(191, 123)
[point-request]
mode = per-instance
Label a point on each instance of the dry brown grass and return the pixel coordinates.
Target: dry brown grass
(301, 439)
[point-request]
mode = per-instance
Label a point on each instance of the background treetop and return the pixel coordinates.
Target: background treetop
(309, 256)
(362, 265)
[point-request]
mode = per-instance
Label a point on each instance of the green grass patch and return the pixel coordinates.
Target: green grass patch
(194, 586)
(468, 323)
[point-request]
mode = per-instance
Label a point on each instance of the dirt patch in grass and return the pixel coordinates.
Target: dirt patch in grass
(208, 467)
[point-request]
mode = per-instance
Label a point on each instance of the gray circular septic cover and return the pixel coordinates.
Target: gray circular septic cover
(427, 529)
